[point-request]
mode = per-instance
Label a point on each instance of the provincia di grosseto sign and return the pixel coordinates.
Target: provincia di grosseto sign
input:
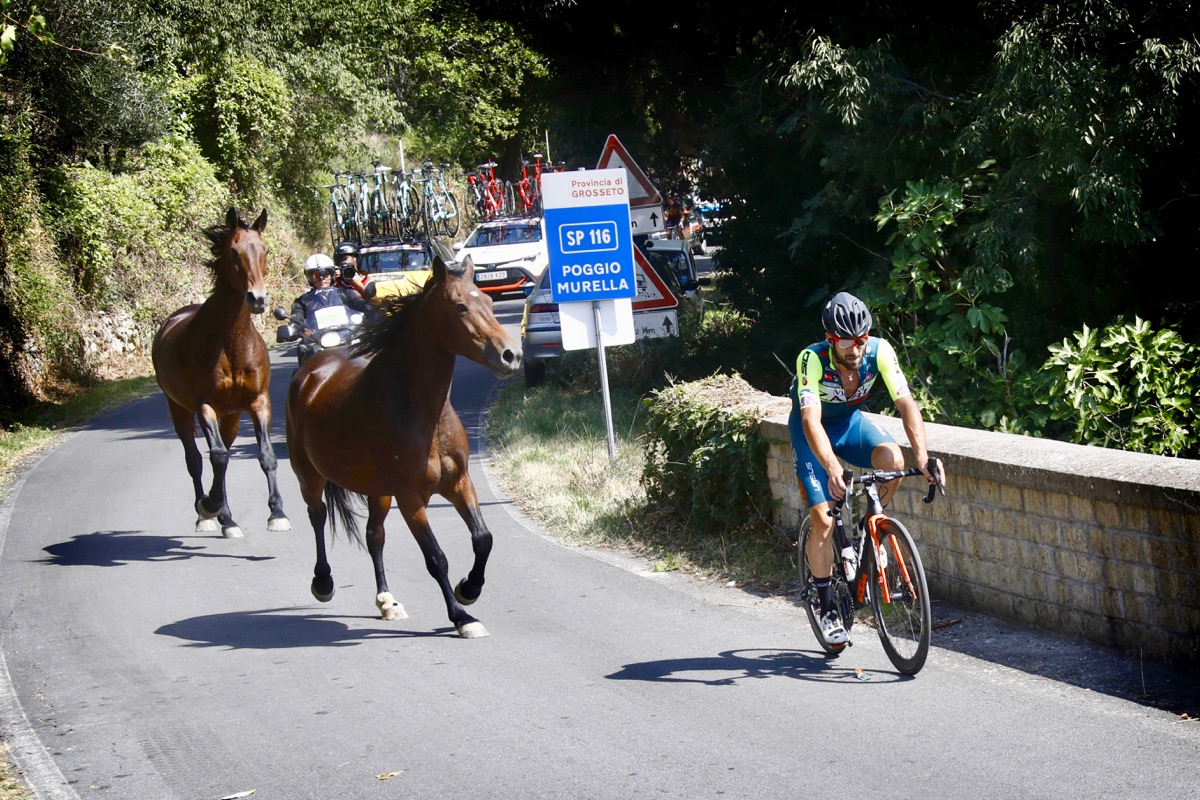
(588, 235)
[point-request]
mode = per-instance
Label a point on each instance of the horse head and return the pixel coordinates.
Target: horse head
(464, 322)
(244, 261)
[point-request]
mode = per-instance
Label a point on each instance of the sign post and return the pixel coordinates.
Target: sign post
(590, 244)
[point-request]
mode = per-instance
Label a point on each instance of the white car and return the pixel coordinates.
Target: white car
(509, 254)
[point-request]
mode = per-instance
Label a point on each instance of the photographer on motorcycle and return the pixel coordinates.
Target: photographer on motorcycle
(349, 276)
(320, 271)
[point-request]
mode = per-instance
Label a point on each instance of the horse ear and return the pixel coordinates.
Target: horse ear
(232, 219)
(261, 223)
(440, 270)
(468, 269)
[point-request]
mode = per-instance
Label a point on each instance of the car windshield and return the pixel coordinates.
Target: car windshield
(518, 233)
(394, 261)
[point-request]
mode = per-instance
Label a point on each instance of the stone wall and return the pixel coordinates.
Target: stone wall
(1084, 540)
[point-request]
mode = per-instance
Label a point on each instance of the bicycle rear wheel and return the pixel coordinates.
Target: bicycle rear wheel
(903, 617)
(450, 221)
(842, 593)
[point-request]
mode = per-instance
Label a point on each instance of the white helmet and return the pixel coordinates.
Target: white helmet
(317, 262)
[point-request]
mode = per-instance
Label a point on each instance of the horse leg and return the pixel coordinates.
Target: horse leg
(215, 503)
(322, 583)
(465, 502)
(377, 509)
(185, 429)
(435, 561)
(260, 413)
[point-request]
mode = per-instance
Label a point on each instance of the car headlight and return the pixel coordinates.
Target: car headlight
(331, 339)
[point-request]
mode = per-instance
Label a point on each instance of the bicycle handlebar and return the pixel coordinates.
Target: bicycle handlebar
(883, 476)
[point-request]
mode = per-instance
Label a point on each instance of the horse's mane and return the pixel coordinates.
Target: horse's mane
(393, 317)
(217, 235)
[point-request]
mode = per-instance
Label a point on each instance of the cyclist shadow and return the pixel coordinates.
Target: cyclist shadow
(731, 666)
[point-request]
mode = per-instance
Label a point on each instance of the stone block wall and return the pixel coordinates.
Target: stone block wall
(1089, 541)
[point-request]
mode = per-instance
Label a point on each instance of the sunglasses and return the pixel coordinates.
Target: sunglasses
(325, 273)
(846, 344)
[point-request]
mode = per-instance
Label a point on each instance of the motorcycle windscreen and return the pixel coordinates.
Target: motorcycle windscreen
(330, 317)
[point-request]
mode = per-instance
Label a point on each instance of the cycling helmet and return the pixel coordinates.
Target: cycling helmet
(317, 262)
(346, 249)
(846, 317)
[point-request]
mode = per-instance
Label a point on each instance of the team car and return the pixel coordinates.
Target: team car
(397, 268)
(509, 254)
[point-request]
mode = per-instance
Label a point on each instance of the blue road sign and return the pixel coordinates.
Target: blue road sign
(588, 236)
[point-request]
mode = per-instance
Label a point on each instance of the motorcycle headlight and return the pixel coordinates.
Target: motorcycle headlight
(331, 339)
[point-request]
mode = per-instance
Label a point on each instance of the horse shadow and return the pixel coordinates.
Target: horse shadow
(730, 667)
(118, 548)
(272, 629)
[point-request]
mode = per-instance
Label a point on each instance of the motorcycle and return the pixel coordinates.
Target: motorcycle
(324, 328)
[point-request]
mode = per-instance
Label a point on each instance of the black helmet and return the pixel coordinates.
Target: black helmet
(346, 249)
(846, 317)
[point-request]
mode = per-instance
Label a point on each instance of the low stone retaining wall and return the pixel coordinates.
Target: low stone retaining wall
(1084, 540)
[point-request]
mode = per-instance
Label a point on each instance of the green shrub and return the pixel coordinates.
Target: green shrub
(705, 464)
(1128, 386)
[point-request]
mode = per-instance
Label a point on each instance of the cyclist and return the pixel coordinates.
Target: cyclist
(833, 379)
(673, 217)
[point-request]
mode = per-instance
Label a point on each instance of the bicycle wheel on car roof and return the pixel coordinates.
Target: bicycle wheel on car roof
(842, 593)
(900, 597)
(450, 220)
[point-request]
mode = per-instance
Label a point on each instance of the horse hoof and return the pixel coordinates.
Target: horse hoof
(279, 524)
(389, 609)
(472, 630)
(204, 512)
(206, 525)
(458, 594)
(232, 532)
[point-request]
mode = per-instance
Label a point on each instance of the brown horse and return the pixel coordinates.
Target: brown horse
(212, 365)
(378, 423)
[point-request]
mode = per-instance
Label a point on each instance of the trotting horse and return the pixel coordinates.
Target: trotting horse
(212, 365)
(378, 423)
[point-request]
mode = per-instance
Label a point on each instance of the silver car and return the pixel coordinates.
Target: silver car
(541, 331)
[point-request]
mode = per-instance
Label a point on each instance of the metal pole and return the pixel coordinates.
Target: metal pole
(548, 159)
(608, 423)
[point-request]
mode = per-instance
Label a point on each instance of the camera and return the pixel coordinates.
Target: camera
(347, 272)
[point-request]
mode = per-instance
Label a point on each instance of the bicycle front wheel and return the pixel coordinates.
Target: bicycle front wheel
(843, 596)
(900, 598)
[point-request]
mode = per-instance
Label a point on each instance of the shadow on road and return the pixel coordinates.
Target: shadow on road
(731, 666)
(276, 628)
(118, 548)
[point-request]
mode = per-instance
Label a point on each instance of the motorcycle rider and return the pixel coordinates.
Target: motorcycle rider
(320, 271)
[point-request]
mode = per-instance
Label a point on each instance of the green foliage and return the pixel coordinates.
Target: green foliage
(1129, 386)
(705, 464)
(119, 233)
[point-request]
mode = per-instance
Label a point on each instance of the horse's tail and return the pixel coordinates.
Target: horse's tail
(341, 505)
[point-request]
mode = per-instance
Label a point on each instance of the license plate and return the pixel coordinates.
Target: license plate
(490, 276)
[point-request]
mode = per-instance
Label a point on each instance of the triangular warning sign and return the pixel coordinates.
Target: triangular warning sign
(652, 291)
(642, 192)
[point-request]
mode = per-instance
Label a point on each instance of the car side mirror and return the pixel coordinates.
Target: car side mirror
(458, 246)
(280, 314)
(528, 289)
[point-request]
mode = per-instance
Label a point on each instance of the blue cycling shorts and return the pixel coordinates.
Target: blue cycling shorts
(853, 439)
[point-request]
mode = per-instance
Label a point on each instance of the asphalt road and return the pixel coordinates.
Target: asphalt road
(143, 660)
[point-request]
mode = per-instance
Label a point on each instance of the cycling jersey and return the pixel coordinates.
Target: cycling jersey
(818, 382)
(852, 436)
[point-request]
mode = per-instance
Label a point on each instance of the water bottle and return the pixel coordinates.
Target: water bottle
(849, 562)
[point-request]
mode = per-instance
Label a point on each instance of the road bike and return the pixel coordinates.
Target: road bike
(529, 192)
(493, 191)
(438, 205)
(380, 219)
(406, 202)
(877, 564)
